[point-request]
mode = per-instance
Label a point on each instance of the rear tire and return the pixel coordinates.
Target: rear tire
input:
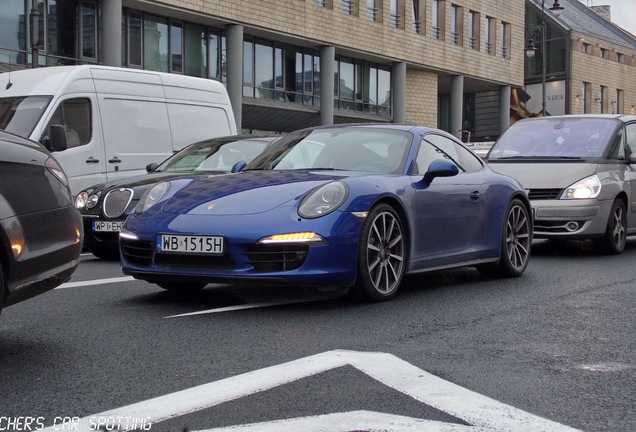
(614, 239)
(381, 255)
(515, 243)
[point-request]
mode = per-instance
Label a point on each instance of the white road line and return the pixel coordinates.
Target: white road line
(95, 282)
(244, 306)
(482, 412)
(367, 421)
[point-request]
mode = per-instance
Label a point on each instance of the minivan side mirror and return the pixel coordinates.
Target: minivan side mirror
(440, 168)
(57, 140)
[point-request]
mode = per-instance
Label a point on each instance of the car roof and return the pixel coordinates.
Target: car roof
(622, 117)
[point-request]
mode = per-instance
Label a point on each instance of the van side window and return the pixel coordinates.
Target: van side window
(75, 116)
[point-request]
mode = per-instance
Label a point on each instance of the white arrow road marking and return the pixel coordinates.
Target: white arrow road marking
(477, 410)
(367, 421)
(95, 282)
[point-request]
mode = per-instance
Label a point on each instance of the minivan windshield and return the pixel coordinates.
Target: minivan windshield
(557, 137)
(20, 114)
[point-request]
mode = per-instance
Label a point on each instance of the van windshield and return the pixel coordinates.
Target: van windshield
(20, 114)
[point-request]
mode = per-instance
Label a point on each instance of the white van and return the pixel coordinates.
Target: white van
(105, 123)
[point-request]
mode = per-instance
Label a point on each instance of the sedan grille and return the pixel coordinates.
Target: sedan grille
(116, 201)
(137, 251)
(544, 194)
(274, 258)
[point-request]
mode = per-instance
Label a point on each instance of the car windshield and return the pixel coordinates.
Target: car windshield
(574, 137)
(19, 115)
(214, 155)
(340, 148)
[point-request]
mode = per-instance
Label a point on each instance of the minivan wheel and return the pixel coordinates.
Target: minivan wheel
(614, 239)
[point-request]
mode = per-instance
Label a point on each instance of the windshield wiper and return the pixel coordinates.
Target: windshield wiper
(537, 157)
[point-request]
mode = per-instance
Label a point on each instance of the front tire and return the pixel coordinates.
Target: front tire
(515, 243)
(614, 239)
(381, 255)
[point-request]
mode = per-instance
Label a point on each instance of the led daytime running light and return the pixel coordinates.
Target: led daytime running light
(300, 237)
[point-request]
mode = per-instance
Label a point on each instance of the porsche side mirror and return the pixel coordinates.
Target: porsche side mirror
(239, 166)
(440, 168)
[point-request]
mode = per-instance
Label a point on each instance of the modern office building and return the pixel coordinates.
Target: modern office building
(432, 62)
(590, 63)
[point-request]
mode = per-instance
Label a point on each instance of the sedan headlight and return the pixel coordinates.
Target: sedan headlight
(92, 201)
(323, 200)
(152, 197)
(80, 200)
(589, 187)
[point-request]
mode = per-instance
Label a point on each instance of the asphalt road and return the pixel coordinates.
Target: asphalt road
(553, 350)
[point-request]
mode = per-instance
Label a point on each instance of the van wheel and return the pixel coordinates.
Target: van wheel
(614, 239)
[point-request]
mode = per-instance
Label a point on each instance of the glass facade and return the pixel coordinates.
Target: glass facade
(66, 29)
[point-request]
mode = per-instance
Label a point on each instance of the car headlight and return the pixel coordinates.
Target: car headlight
(323, 200)
(80, 200)
(92, 201)
(152, 197)
(589, 187)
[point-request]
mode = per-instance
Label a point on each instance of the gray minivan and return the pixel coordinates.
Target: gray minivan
(579, 172)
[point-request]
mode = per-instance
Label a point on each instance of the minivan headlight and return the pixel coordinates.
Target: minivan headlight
(152, 197)
(589, 187)
(323, 200)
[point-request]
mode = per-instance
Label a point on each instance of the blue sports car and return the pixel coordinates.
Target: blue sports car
(353, 206)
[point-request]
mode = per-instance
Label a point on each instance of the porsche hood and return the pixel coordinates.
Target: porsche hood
(248, 192)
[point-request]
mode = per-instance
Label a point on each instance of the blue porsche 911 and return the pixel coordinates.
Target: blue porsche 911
(353, 206)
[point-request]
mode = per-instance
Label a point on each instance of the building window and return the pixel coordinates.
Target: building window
(473, 30)
(586, 48)
(194, 55)
(89, 31)
(156, 43)
(347, 6)
(438, 19)
(620, 58)
(603, 99)
(417, 16)
(505, 39)
(490, 35)
(372, 10)
(587, 93)
(395, 13)
(176, 47)
(135, 39)
(456, 24)
(604, 53)
(620, 101)
(362, 86)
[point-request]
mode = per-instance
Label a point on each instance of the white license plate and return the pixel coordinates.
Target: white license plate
(213, 245)
(107, 226)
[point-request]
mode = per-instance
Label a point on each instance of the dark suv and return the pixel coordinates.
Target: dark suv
(41, 232)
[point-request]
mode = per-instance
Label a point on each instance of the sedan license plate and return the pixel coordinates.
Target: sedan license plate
(195, 244)
(107, 226)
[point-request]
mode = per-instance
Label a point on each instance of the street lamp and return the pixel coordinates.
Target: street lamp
(532, 32)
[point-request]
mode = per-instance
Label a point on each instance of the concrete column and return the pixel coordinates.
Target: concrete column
(235, 71)
(504, 108)
(398, 72)
(457, 105)
(327, 59)
(111, 32)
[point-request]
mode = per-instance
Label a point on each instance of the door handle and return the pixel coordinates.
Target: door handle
(92, 160)
(475, 195)
(114, 160)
